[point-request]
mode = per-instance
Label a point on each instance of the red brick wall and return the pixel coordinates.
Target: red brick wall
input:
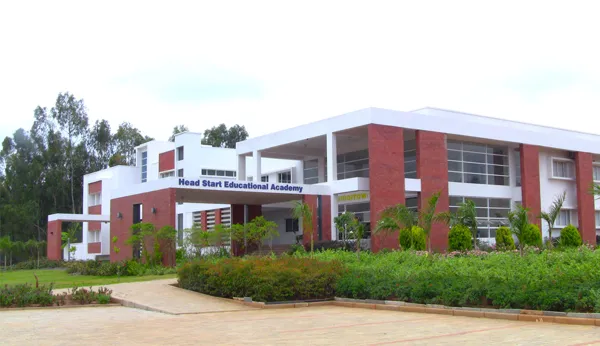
(162, 200)
(166, 161)
(94, 210)
(326, 217)
(530, 181)
(217, 216)
(585, 200)
(94, 247)
(95, 187)
(237, 217)
(204, 221)
(386, 177)
(53, 250)
(432, 169)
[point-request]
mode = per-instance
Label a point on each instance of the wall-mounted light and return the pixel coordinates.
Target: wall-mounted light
(119, 215)
(153, 210)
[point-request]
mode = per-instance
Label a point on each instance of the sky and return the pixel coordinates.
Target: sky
(271, 65)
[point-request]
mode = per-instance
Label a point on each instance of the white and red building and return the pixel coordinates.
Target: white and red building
(361, 162)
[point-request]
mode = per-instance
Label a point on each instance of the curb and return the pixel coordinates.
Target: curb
(62, 307)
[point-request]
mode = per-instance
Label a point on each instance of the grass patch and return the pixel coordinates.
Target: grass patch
(62, 279)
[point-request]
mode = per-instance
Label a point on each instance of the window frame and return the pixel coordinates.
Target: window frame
(594, 166)
(455, 146)
(167, 174)
(280, 174)
(569, 221)
(562, 159)
(180, 153)
(204, 172)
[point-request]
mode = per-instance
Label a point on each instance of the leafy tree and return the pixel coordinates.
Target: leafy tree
(552, 214)
(460, 238)
(197, 238)
(302, 211)
(357, 232)
(69, 237)
(5, 247)
(526, 233)
(260, 229)
(138, 239)
(343, 223)
(222, 137)
(177, 130)
(71, 115)
(101, 141)
(397, 217)
(126, 139)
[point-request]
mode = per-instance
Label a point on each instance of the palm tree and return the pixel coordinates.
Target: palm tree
(595, 190)
(397, 217)
(519, 222)
(303, 211)
(466, 215)
(552, 214)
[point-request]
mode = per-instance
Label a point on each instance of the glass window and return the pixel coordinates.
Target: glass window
(144, 166)
(180, 229)
(264, 178)
(563, 219)
(362, 211)
(597, 219)
(311, 171)
(167, 174)
(596, 169)
(284, 177)
(476, 163)
(353, 165)
(218, 173)
(410, 159)
(518, 167)
(291, 225)
(563, 169)
(491, 213)
(180, 173)
(179, 153)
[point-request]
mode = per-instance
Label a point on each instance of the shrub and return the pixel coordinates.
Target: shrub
(459, 238)
(26, 295)
(296, 248)
(264, 278)
(332, 245)
(103, 299)
(532, 236)
(570, 237)
(504, 239)
(413, 238)
(43, 263)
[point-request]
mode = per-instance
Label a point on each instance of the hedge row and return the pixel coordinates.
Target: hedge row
(559, 280)
(263, 279)
(123, 268)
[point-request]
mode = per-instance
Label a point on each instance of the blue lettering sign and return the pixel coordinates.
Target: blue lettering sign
(228, 184)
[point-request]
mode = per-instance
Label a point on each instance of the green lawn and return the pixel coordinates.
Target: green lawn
(61, 279)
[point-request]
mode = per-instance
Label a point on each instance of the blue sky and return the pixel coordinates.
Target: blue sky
(270, 65)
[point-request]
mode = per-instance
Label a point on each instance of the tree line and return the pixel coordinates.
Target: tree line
(42, 169)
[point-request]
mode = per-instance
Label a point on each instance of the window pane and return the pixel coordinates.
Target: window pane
(480, 148)
(230, 173)
(483, 233)
(455, 166)
(220, 173)
(474, 157)
(479, 202)
(475, 178)
(454, 144)
(497, 160)
(210, 172)
(498, 180)
(410, 166)
(499, 203)
(455, 177)
(474, 168)
(481, 212)
(454, 155)
(497, 170)
(410, 175)
(498, 150)
(455, 200)
(499, 213)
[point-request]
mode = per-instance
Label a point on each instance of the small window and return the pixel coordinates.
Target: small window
(180, 173)
(597, 218)
(220, 173)
(564, 169)
(285, 177)
(167, 174)
(264, 178)
(94, 236)
(564, 219)
(179, 153)
(230, 173)
(291, 225)
(596, 171)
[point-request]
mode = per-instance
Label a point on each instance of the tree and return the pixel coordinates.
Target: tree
(168, 235)
(466, 215)
(69, 237)
(177, 130)
(303, 211)
(126, 139)
(101, 141)
(222, 137)
(553, 213)
(5, 247)
(397, 217)
(197, 238)
(343, 223)
(260, 229)
(72, 117)
(357, 232)
(519, 224)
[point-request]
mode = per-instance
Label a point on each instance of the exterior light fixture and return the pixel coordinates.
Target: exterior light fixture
(153, 210)
(119, 215)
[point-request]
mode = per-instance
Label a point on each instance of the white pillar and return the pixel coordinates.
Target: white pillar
(241, 171)
(257, 166)
(334, 214)
(331, 157)
(321, 170)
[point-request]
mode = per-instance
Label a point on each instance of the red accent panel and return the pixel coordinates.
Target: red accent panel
(95, 210)
(386, 177)
(162, 200)
(53, 249)
(254, 211)
(217, 216)
(432, 169)
(95, 187)
(94, 226)
(166, 161)
(203, 220)
(94, 248)
(237, 217)
(530, 182)
(585, 200)
(326, 217)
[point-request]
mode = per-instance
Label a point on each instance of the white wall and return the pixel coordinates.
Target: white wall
(279, 216)
(551, 187)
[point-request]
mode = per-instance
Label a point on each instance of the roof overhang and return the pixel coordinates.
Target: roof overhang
(79, 218)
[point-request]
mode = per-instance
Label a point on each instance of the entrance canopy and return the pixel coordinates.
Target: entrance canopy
(78, 218)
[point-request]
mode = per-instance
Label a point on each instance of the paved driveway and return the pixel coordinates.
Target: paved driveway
(324, 325)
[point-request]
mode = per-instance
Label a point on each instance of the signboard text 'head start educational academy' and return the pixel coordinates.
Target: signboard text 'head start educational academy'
(228, 184)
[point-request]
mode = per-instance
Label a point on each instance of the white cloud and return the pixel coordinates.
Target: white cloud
(312, 59)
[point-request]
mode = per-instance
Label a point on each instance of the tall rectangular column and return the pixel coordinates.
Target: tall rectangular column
(386, 177)
(311, 201)
(217, 216)
(432, 169)
(53, 245)
(257, 165)
(241, 167)
(585, 200)
(203, 220)
(530, 182)
(331, 157)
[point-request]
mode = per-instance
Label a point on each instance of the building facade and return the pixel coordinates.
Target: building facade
(360, 162)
